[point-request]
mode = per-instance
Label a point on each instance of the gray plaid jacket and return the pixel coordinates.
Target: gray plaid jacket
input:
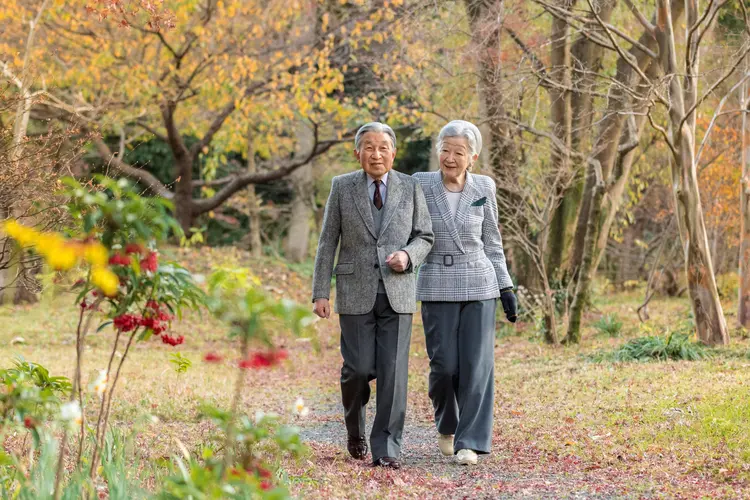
(467, 260)
(348, 219)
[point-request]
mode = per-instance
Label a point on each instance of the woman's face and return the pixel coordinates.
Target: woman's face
(455, 158)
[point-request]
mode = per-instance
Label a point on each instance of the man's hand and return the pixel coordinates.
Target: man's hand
(322, 308)
(398, 261)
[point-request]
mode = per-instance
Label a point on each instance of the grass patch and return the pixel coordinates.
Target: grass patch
(675, 347)
(609, 325)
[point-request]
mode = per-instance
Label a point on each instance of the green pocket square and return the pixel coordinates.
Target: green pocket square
(481, 201)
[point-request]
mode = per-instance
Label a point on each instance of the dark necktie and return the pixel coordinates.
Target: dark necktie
(376, 199)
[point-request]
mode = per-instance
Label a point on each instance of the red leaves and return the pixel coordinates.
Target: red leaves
(263, 359)
(212, 357)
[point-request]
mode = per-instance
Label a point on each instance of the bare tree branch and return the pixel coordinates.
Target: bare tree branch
(650, 29)
(716, 84)
(144, 177)
(624, 55)
(240, 181)
(718, 113)
(152, 131)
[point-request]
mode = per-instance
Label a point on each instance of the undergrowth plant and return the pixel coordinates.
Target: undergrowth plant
(609, 325)
(123, 286)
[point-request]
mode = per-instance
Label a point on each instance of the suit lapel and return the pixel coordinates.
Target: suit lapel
(394, 194)
(468, 196)
(445, 212)
(361, 197)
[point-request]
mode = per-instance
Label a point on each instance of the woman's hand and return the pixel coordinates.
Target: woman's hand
(510, 305)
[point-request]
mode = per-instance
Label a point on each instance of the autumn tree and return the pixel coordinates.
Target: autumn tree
(223, 68)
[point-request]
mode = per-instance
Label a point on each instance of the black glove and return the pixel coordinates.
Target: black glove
(510, 304)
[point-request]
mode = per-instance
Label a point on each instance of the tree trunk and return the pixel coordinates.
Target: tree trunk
(704, 296)
(586, 61)
(620, 176)
(253, 212)
(605, 154)
(486, 20)
(297, 243)
(581, 297)
(608, 139)
(743, 310)
(183, 196)
(562, 127)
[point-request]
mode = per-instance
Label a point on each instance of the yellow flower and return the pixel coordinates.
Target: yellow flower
(48, 243)
(96, 255)
(106, 280)
(25, 236)
(63, 258)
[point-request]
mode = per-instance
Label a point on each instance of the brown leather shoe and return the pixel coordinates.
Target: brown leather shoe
(357, 447)
(388, 462)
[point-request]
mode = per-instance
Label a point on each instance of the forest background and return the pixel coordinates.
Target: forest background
(616, 132)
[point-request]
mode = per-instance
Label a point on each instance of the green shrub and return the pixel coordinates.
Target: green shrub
(609, 324)
(676, 346)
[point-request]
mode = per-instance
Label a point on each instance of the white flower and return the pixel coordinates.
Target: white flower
(300, 408)
(100, 384)
(71, 412)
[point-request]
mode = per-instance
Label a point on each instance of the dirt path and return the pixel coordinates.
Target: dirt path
(514, 469)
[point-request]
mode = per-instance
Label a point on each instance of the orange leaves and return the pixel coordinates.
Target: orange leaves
(719, 179)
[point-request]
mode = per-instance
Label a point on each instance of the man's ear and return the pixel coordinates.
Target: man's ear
(393, 156)
(356, 154)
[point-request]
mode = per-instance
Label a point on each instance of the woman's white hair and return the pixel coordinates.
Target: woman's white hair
(461, 128)
(374, 127)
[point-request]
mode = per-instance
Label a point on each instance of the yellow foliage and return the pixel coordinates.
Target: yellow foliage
(105, 280)
(62, 254)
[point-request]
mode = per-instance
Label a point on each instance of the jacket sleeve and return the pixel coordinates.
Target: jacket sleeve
(493, 242)
(422, 237)
(327, 244)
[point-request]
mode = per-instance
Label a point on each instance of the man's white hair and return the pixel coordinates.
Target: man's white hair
(374, 127)
(461, 128)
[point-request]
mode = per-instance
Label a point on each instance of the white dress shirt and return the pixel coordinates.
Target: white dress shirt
(383, 187)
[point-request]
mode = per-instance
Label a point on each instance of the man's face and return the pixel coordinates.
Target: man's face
(376, 154)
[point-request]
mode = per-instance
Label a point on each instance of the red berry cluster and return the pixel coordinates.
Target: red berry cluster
(127, 322)
(173, 341)
(150, 262)
(134, 248)
(154, 318)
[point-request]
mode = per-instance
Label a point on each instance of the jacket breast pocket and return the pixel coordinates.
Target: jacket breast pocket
(343, 268)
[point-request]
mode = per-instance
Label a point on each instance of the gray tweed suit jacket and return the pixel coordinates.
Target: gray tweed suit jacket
(348, 219)
(470, 244)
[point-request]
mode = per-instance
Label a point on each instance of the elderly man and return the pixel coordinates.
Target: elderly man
(380, 217)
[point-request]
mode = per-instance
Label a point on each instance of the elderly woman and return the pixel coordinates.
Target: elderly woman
(459, 284)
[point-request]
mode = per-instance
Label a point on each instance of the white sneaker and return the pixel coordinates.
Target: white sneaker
(466, 457)
(445, 443)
